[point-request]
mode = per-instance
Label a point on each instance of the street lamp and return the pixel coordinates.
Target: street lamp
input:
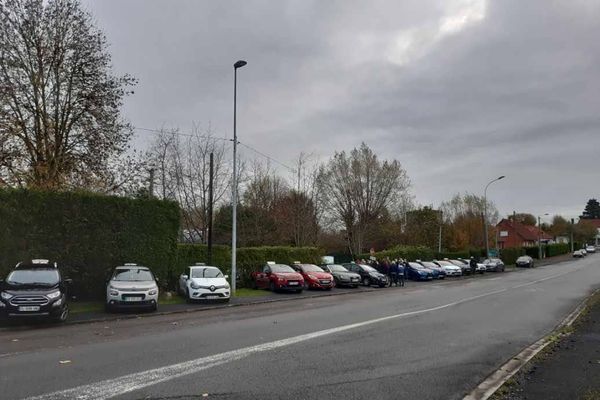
(540, 235)
(238, 64)
(485, 220)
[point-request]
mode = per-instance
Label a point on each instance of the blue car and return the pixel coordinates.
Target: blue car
(417, 272)
(438, 272)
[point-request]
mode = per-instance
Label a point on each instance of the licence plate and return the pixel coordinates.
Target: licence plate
(292, 283)
(325, 282)
(133, 299)
(29, 308)
(212, 296)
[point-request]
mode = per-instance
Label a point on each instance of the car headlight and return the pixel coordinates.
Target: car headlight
(194, 285)
(6, 296)
(53, 295)
(313, 277)
(114, 292)
(153, 292)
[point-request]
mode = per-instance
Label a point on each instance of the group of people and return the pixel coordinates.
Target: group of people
(395, 270)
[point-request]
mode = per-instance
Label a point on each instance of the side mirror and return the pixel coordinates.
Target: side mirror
(185, 277)
(156, 279)
(68, 281)
(226, 277)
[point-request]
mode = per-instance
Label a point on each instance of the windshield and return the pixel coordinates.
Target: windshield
(48, 277)
(337, 268)
(281, 268)
(132, 275)
(416, 265)
(206, 273)
(368, 268)
(429, 264)
(445, 263)
(310, 268)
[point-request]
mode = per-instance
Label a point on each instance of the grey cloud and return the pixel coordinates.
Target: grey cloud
(515, 93)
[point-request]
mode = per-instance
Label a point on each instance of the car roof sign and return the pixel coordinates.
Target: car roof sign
(200, 264)
(130, 265)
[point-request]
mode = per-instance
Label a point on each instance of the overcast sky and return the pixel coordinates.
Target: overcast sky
(460, 91)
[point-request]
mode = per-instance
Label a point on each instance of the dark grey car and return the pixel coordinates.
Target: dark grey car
(342, 276)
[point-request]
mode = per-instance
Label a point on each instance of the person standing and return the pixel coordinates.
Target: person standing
(401, 272)
(473, 265)
(394, 273)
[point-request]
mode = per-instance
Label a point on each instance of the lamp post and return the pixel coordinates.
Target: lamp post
(485, 222)
(540, 236)
(238, 64)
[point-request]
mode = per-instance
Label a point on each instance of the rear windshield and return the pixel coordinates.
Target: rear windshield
(206, 273)
(416, 266)
(132, 275)
(48, 277)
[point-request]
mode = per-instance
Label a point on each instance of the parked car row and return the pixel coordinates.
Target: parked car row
(36, 288)
(584, 252)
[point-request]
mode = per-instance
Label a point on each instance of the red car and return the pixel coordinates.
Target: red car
(278, 277)
(314, 277)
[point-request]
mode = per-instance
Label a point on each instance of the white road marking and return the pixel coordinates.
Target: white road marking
(128, 383)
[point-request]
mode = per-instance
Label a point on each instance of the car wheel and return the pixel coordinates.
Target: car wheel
(306, 286)
(155, 308)
(188, 299)
(381, 285)
(366, 282)
(272, 286)
(64, 314)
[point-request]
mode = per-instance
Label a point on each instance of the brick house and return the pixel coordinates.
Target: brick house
(516, 234)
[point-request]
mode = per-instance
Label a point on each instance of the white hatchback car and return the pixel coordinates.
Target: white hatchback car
(132, 286)
(202, 282)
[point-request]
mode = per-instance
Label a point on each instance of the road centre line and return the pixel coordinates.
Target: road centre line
(114, 387)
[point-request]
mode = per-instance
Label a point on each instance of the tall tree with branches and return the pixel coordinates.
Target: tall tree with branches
(358, 188)
(60, 103)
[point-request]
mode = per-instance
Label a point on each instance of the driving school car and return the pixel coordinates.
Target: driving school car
(278, 277)
(202, 282)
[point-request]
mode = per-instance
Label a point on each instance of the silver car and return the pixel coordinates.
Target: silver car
(132, 286)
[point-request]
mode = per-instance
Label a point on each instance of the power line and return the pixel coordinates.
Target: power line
(267, 157)
(178, 132)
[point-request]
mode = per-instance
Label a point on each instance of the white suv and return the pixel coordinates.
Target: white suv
(132, 286)
(202, 282)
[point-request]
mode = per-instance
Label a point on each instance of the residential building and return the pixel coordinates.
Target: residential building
(516, 234)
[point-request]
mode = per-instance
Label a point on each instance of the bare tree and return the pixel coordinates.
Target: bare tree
(463, 215)
(59, 101)
(182, 166)
(358, 188)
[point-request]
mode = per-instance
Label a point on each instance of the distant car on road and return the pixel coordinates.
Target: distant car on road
(590, 249)
(342, 276)
(278, 277)
(524, 261)
(35, 288)
(131, 286)
(578, 254)
(314, 277)
(368, 275)
(417, 272)
(202, 282)
(493, 264)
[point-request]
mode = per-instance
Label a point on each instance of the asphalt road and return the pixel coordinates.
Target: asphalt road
(426, 341)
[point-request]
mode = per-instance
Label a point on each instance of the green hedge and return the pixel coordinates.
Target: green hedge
(88, 234)
(249, 259)
(509, 256)
(557, 249)
(410, 253)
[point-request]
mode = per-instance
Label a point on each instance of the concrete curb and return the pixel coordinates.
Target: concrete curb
(498, 378)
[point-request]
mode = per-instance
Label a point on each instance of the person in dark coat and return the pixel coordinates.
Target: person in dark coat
(401, 272)
(394, 273)
(473, 265)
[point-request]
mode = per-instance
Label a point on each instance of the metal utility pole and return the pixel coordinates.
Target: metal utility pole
(238, 64)
(571, 234)
(485, 220)
(210, 207)
(540, 236)
(151, 188)
(440, 235)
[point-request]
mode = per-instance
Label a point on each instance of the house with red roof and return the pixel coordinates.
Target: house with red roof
(515, 234)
